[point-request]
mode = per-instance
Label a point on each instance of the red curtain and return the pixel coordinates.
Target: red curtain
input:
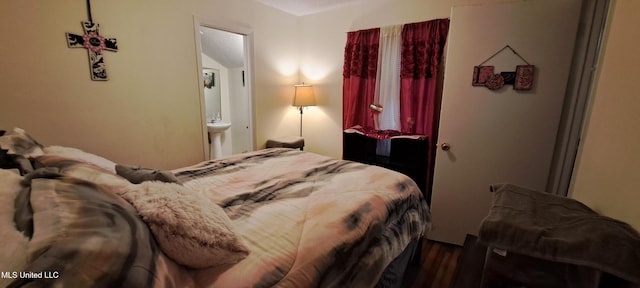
(422, 48)
(359, 72)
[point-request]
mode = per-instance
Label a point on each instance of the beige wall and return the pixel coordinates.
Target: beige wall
(607, 173)
(148, 113)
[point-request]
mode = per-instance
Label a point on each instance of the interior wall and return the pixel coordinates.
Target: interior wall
(151, 99)
(606, 173)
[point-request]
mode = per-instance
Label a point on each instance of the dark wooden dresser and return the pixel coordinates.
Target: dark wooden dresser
(408, 156)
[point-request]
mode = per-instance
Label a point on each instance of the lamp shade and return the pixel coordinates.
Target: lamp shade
(304, 96)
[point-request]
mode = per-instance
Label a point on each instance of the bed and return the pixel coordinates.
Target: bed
(269, 218)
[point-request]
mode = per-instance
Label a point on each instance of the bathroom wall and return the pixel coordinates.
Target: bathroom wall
(212, 95)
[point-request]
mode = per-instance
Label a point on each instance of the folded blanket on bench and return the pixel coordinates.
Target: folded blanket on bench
(554, 228)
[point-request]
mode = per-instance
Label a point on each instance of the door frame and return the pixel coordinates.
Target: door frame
(579, 88)
(249, 74)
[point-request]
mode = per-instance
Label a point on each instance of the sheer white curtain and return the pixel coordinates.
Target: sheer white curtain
(387, 91)
(388, 79)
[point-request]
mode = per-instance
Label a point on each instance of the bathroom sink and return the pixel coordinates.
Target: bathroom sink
(217, 127)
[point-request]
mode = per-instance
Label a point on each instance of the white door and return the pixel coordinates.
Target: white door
(504, 135)
(241, 112)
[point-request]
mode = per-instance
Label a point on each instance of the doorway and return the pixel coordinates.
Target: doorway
(225, 84)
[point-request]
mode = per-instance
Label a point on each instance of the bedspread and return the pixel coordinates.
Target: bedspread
(74, 233)
(270, 218)
(309, 220)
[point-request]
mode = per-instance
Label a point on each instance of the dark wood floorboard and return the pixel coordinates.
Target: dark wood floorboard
(437, 266)
(445, 265)
(471, 264)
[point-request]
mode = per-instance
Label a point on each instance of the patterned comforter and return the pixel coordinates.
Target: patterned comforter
(309, 220)
(72, 232)
(70, 220)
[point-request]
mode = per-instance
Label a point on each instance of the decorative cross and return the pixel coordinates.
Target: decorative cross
(94, 43)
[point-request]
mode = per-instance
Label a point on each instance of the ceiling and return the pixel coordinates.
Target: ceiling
(224, 47)
(306, 7)
(227, 48)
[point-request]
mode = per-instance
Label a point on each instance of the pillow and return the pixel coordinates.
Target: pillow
(138, 175)
(13, 243)
(80, 155)
(189, 228)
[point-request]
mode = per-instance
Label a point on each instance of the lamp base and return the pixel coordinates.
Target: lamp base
(301, 108)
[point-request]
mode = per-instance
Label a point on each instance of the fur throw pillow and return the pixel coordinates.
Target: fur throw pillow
(189, 228)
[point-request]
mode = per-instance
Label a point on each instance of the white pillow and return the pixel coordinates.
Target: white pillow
(189, 228)
(77, 154)
(13, 243)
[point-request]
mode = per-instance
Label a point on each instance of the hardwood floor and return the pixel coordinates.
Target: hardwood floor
(445, 265)
(437, 265)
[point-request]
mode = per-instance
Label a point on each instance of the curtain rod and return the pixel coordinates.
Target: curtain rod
(396, 24)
